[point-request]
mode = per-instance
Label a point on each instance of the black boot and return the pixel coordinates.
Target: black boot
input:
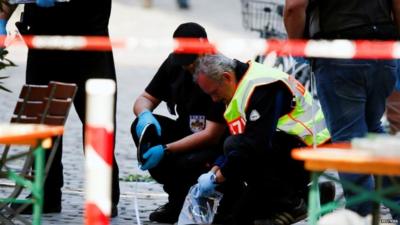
(50, 205)
(167, 213)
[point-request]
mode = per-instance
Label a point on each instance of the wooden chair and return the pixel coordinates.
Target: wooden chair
(38, 104)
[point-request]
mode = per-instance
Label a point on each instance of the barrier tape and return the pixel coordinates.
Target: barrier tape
(358, 49)
(99, 141)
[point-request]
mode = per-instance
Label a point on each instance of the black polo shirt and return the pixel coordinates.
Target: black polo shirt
(76, 17)
(175, 86)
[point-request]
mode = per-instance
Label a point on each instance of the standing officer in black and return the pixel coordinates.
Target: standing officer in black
(192, 141)
(76, 17)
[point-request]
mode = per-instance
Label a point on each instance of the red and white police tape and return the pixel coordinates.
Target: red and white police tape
(99, 142)
(357, 49)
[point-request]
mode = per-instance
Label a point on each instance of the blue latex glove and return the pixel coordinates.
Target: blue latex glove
(153, 156)
(3, 33)
(45, 3)
(301, 60)
(146, 117)
(3, 23)
(206, 184)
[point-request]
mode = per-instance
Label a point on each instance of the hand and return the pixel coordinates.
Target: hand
(3, 23)
(45, 3)
(3, 33)
(145, 118)
(206, 184)
(153, 156)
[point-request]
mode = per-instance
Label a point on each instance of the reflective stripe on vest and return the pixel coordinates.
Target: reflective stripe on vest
(299, 121)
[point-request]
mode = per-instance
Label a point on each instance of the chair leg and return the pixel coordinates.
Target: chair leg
(314, 203)
(376, 210)
(37, 191)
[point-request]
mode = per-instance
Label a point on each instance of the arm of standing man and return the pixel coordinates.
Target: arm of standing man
(295, 18)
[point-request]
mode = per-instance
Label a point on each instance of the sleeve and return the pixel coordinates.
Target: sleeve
(220, 161)
(267, 104)
(159, 85)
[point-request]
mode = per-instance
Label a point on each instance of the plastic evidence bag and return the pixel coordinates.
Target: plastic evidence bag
(199, 210)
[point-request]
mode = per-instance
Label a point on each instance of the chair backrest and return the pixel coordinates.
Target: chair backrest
(44, 104)
(41, 104)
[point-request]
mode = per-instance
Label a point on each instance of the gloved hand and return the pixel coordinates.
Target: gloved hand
(45, 3)
(153, 156)
(206, 184)
(3, 33)
(146, 117)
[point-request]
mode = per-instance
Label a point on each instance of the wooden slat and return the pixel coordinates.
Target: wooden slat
(63, 90)
(59, 107)
(31, 108)
(24, 119)
(36, 92)
(54, 120)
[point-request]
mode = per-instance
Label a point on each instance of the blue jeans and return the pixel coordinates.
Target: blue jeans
(353, 96)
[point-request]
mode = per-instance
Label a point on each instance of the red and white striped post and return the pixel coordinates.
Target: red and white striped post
(99, 139)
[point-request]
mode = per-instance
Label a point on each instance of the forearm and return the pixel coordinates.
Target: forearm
(295, 18)
(209, 136)
(396, 13)
(143, 102)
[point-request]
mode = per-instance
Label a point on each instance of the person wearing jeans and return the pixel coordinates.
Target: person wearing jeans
(352, 97)
(352, 92)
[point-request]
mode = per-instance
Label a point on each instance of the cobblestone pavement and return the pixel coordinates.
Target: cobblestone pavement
(221, 18)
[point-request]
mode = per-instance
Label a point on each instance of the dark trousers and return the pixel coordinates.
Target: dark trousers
(177, 172)
(353, 99)
(275, 181)
(72, 67)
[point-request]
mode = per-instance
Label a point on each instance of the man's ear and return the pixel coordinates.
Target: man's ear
(229, 77)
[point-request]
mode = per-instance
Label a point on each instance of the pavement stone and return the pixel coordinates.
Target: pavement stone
(221, 18)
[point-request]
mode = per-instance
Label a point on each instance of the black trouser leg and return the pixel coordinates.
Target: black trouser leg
(79, 103)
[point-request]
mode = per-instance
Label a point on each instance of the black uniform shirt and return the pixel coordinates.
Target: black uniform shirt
(175, 86)
(76, 17)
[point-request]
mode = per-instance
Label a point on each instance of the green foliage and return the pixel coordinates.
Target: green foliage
(137, 178)
(4, 63)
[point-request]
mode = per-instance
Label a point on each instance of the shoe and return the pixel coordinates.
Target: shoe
(286, 218)
(53, 206)
(327, 192)
(114, 211)
(47, 208)
(167, 213)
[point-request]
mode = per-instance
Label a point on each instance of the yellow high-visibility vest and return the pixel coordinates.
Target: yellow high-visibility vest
(299, 121)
